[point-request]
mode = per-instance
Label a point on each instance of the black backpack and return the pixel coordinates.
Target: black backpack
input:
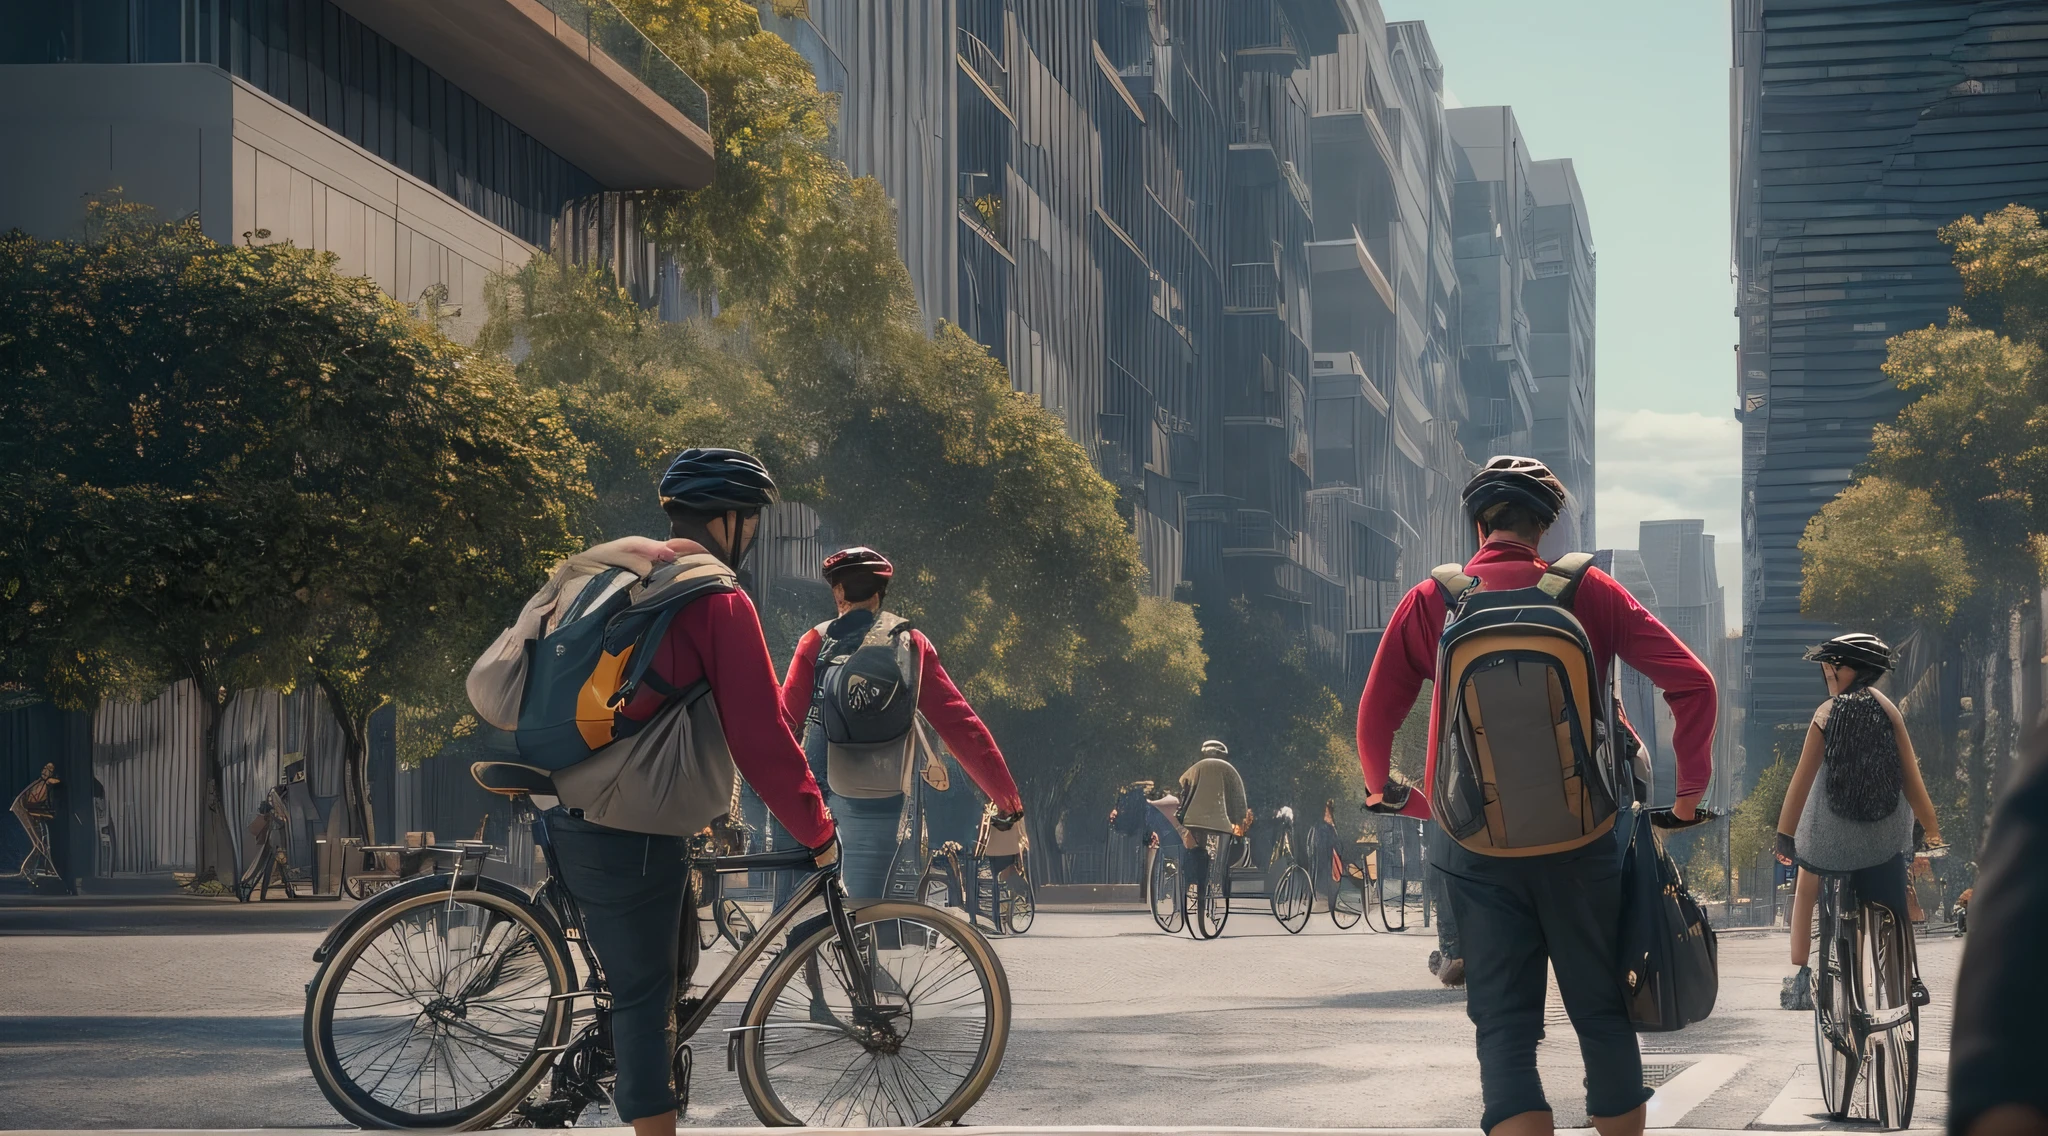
(867, 692)
(1861, 756)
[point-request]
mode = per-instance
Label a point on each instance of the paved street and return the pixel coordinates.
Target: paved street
(169, 1016)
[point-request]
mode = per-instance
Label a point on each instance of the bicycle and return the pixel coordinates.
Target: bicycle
(1866, 1005)
(1165, 893)
(446, 1002)
(33, 808)
(979, 889)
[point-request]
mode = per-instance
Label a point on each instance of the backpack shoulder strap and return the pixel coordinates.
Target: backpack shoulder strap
(660, 604)
(1454, 581)
(1561, 580)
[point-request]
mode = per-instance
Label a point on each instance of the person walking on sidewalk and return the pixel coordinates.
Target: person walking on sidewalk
(1521, 914)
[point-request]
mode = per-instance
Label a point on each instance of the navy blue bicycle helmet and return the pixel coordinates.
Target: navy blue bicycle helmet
(1509, 480)
(710, 481)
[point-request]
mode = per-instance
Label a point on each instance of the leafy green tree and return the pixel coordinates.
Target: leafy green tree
(229, 464)
(1884, 556)
(1753, 826)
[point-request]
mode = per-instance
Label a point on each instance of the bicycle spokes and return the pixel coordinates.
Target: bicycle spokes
(838, 1060)
(441, 1008)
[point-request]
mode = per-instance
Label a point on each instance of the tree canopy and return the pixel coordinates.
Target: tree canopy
(238, 466)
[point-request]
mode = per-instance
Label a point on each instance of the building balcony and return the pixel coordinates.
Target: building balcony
(574, 74)
(988, 218)
(1255, 533)
(1349, 264)
(1253, 288)
(980, 63)
(1342, 374)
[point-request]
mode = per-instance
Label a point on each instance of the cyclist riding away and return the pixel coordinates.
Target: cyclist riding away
(630, 885)
(869, 650)
(1514, 912)
(1212, 801)
(1855, 824)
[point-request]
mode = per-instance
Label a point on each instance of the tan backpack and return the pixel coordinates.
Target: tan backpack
(1524, 762)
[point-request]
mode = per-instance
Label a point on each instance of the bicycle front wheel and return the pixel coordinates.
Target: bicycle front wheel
(436, 1013)
(922, 1055)
(1292, 898)
(1347, 903)
(1023, 904)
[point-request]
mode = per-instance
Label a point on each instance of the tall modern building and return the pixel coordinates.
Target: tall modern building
(426, 145)
(1558, 298)
(1219, 240)
(1858, 128)
(1492, 228)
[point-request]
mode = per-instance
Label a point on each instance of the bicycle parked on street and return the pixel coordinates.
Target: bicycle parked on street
(1004, 901)
(1866, 1005)
(454, 1001)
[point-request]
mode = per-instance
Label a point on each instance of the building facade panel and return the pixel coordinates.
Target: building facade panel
(1858, 128)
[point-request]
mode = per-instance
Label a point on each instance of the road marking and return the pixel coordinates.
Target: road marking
(1685, 1092)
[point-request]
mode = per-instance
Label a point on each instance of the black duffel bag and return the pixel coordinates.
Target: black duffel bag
(1670, 962)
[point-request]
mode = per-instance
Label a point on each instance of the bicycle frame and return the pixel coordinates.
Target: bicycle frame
(821, 882)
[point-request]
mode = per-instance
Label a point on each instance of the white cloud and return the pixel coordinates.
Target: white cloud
(1653, 466)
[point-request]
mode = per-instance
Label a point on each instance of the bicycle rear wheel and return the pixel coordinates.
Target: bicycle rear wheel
(1211, 902)
(1836, 1050)
(1292, 897)
(1168, 895)
(923, 1055)
(436, 1013)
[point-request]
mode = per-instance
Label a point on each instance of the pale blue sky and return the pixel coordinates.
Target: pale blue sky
(1635, 92)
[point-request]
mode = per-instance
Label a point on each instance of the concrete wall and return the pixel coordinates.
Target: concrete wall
(188, 138)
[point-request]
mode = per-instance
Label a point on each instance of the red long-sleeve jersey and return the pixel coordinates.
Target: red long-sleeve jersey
(941, 703)
(1615, 623)
(718, 638)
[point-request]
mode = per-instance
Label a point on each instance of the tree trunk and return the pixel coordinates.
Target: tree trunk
(355, 760)
(1976, 767)
(216, 844)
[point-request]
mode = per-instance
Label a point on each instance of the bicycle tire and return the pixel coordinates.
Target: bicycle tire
(550, 1014)
(1023, 906)
(1292, 898)
(1837, 1060)
(1347, 903)
(889, 925)
(1168, 897)
(1211, 901)
(1891, 1055)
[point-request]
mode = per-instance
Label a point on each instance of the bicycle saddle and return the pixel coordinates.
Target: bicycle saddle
(511, 779)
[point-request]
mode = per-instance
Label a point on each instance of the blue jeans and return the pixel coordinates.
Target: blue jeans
(629, 887)
(867, 845)
(1516, 914)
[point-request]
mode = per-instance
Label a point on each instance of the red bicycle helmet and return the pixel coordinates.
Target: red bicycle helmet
(859, 558)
